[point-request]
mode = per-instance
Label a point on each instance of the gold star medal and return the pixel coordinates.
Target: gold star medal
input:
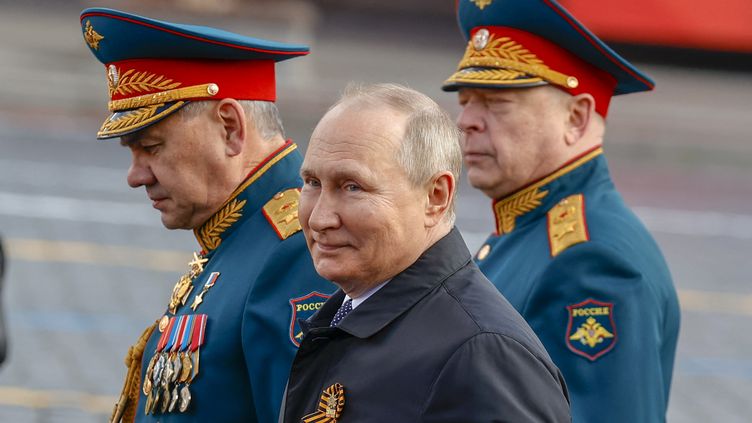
(210, 281)
(184, 285)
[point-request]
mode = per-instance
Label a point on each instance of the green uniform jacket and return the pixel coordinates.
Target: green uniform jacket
(265, 282)
(591, 282)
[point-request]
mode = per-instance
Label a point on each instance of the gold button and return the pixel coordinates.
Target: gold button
(572, 82)
(483, 252)
(212, 89)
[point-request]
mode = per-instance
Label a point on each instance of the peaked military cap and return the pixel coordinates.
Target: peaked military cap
(154, 67)
(527, 43)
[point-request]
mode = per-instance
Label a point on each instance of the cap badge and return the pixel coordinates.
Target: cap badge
(480, 39)
(113, 77)
(482, 3)
(92, 37)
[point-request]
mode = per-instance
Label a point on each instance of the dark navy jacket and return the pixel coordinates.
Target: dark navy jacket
(591, 282)
(266, 282)
(436, 344)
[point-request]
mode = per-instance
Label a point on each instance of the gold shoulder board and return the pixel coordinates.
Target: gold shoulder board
(566, 224)
(282, 212)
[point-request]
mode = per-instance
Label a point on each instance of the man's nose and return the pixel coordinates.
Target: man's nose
(470, 119)
(140, 173)
(325, 213)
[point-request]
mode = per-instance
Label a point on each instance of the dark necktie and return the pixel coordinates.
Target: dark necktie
(343, 311)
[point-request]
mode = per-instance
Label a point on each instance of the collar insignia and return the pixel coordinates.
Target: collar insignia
(209, 234)
(591, 331)
(92, 37)
(330, 407)
(509, 209)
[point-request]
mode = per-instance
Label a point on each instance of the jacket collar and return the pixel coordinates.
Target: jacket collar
(259, 186)
(440, 261)
(535, 199)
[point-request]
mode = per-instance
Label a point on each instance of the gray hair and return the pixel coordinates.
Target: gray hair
(264, 114)
(431, 142)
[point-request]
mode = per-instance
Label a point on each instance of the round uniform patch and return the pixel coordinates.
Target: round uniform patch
(303, 308)
(591, 331)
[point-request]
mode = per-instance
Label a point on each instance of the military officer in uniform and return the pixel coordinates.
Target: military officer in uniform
(534, 85)
(416, 333)
(194, 105)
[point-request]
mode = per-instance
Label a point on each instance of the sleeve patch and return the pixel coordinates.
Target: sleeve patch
(282, 212)
(591, 330)
(566, 224)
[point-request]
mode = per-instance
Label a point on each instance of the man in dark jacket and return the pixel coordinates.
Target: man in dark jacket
(416, 333)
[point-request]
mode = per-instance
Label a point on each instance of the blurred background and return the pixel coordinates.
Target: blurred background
(88, 264)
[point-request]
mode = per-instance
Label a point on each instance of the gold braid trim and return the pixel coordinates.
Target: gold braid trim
(127, 406)
(196, 91)
(136, 82)
(506, 60)
(135, 119)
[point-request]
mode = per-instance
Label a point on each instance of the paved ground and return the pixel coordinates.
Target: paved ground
(90, 266)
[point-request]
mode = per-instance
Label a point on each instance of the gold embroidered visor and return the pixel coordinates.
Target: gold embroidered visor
(502, 57)
(144, 91)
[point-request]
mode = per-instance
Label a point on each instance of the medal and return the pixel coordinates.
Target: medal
(210, 281)
(147, 378)
(187, 368)
(177, 367)
(163, 322)
(184, 285)
(173, 400)
(154, 401)
(147, 406)
(185, 399)
(165, 401)
(331, 404)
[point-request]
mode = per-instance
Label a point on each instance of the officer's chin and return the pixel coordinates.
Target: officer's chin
(170, 221)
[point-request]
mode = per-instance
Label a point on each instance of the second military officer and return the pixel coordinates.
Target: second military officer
(535, 86)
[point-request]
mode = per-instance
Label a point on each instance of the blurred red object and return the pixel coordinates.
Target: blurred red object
(721, 25)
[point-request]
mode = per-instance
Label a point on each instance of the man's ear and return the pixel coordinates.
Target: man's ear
(440, 196)
(234, 125)
(581, 109)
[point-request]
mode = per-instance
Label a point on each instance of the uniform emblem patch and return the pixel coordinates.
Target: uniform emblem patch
(303, 308)
(591, 331)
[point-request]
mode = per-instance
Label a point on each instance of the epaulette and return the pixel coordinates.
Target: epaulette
(282, 212)
(566, 224)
